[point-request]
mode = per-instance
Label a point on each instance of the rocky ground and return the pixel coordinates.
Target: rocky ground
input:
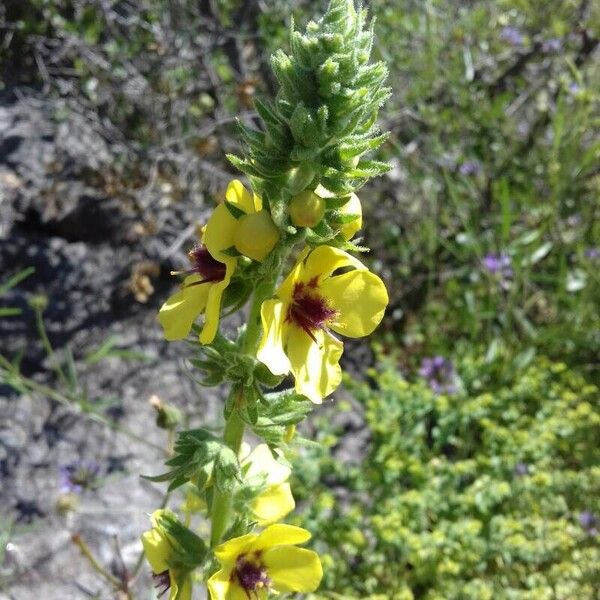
(102, 252)
(102, 244)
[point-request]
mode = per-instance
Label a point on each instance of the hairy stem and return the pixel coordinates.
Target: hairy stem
(223, 500)
(234, 427)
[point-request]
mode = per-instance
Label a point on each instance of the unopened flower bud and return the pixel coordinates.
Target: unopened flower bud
(300, 177)
(38, 302)
(352, 207)
(167, 417)
(306, 209)
(256, 235)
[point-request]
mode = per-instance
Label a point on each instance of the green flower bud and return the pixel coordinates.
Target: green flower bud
(300, 177)
(306, 209)
(167, 417)
(38, 302)
(256, 235)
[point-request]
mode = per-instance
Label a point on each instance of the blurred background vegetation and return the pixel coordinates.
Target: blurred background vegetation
(475, 475)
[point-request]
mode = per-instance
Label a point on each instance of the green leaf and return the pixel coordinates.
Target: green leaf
(188, 549)
(13, 281)
(193, 450)
(283, 409)
(234, 210)
(538, 254)
(226, 470)
(267, 112)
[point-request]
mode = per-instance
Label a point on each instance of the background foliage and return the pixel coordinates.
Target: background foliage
(473, 495)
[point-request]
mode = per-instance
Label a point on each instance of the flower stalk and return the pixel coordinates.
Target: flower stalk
(223, 500)
(305, 165)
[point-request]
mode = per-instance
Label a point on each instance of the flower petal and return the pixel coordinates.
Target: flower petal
(324, 260)
(273, 504)
(221, 587)
(262, 464)
(219, 232)
(287, 286)
(157, 550)
(352, 207)
(237, 194)
(213, 305)
(179, 312)
(360, 298)
(293, 569)
(315, 365)
(270, 350)
(228, 551)
(280, 534)
(181, 586)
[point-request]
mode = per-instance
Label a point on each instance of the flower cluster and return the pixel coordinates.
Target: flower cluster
(440, 374)
(286, 242)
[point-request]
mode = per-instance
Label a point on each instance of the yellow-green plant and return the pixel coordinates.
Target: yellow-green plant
(304, 166)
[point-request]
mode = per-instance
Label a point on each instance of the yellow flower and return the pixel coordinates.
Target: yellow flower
(160, 553)
(312, 302)
(255, 564)
(251, 232)
(212, 267)
(275, 500)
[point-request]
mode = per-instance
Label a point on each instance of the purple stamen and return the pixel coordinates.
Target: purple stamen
(308, 310)
(203, 264)
(162, 582)
(250, 575)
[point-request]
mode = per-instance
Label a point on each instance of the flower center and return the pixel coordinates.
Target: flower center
(308, 310)
(162, 582)
(251, 575)
(203, 264)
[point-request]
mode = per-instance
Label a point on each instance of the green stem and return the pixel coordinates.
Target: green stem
(88, 554)
(233, 435)
(223, 500)
(41, 329)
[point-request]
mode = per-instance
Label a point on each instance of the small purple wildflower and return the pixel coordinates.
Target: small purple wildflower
(592, 253)
(470, 168)
(440, 374)
(551, 45)
(77, 476)
(574, 88)
(521, 469)
(498, 266)
(512, 36)
(589, 522)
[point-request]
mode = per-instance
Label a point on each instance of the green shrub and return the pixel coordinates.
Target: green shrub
(470, 496)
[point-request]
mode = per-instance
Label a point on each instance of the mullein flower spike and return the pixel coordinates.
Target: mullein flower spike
(305, 166)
